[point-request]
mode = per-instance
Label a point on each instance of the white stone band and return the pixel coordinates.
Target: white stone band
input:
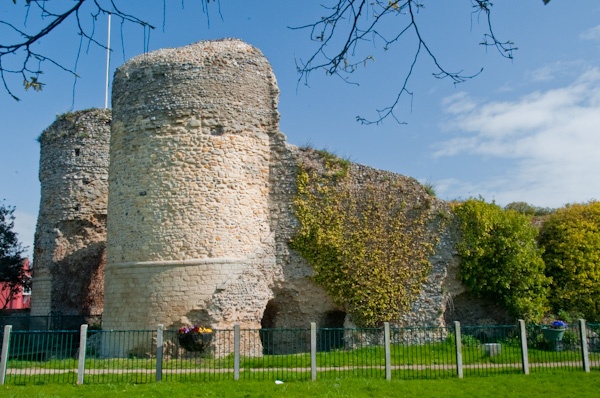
(182, 263)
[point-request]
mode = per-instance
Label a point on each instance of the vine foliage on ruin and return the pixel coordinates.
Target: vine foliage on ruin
(369, 244)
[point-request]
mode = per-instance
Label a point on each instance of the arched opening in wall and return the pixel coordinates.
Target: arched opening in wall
(267, 323)
(285, 322)
(331, 331)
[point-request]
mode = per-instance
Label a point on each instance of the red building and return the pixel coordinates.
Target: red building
(19, 301)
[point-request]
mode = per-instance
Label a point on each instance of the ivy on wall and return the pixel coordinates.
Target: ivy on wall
(368, 239)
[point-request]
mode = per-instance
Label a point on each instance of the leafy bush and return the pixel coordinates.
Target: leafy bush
(571, 242)
(500, 258)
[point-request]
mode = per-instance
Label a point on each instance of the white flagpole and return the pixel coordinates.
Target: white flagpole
(107, 64)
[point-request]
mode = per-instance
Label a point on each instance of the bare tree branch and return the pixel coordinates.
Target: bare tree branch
(29, 60)
(352, 23)
(505, 48)
(347, 25)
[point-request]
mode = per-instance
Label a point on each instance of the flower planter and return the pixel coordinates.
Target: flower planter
(553, 334)
(197, 342)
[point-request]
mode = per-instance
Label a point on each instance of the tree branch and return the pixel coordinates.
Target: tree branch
(30, 57)
(355, 22)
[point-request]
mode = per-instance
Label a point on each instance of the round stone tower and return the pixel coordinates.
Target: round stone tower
(188, 206)
(70, 239)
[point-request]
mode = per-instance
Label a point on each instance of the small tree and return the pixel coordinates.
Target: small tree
(500, 258)
(571, 241)
(12, 273)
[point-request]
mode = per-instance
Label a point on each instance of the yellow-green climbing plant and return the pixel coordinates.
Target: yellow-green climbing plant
(368, 241)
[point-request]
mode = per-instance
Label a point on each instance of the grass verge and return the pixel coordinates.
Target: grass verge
(564, 384)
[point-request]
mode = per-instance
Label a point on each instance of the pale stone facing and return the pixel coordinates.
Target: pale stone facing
(70, 236)
(42, 285)
(171, 294)
(200, 208)
(190, 167)
(189, 180)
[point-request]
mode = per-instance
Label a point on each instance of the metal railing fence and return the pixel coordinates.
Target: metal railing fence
(144, 356)
(42, 356)
(593, 342)
(54, 321)
(423, 353)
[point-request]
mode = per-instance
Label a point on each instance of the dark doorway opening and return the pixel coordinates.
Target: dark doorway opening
(267, 323)
(331, 331)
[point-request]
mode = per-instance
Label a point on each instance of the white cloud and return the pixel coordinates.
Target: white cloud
(556, 69)
(459, 103)
(591, 34)
(545, 73)
(551, 139)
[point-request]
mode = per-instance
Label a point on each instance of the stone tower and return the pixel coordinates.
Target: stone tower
(70, 239)
(188, 206)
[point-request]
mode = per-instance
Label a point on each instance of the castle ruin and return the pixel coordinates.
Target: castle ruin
(199, 203)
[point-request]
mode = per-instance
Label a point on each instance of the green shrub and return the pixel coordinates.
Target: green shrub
(571, 242)
(500, 258)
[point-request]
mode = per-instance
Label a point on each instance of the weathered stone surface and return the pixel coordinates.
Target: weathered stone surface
(200, 203)
(69, 247)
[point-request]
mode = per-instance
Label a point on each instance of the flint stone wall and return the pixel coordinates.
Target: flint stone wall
(70, 238)
(200, 201)
(190, 237)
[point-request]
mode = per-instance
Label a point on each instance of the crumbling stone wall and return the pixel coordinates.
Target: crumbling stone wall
(189, 186)
(69, 247)
(200, 202)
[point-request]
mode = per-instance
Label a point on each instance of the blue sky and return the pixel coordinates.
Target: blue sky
(524, 130)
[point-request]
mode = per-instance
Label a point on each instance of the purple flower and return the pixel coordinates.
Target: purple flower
(194, 330)
(558, 324)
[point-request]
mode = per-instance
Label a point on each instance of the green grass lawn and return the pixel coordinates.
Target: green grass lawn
(562, 384)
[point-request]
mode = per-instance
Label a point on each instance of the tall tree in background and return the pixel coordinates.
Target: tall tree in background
(342, 33)
(571, 242)
(12, 273)
(500, 258)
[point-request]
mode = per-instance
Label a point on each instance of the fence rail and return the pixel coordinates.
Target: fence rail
(54, 321)
(100, 356)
